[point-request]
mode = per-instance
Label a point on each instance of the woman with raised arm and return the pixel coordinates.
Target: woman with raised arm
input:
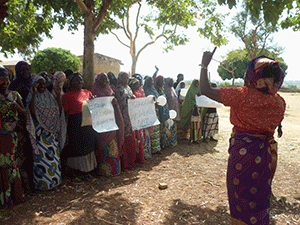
(255, 111)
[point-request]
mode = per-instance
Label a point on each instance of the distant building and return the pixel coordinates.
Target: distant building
(104, 64)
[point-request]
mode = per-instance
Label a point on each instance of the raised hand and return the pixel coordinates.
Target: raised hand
(207, 56)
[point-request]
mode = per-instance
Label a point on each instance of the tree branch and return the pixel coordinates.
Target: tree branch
(124, 29)
(84, 9)
(152, 42)
(101, 14)
(137, 22)
(119, 39)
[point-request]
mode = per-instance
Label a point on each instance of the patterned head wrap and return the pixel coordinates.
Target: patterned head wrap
(254, 74)
(137, 76)
(59, 79)
(132, 81)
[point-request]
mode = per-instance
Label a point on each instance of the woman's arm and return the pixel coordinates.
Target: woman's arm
(155, 73)
(57, 93)
(32, 102)
(206, 89)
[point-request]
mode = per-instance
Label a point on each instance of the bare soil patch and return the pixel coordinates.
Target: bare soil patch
(196, 191)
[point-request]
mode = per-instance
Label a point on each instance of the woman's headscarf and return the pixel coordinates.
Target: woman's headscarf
(189, 103)
(100, 91)
(172, 97)
(4, 72)
(150, 90)
(132, 82)
(180, 96)
(254, 74)
(137, 76)
(19, 80)
(105, 138)
(113, 80)
(46, 112)
(160, 77)
(59, 78)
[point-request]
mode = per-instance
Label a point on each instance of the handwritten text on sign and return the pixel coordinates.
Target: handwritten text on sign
(142, 113)
(102, 111)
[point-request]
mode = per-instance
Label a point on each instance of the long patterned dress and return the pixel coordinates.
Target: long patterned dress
(44, 127)
(132, 152)
(11, 191)
(109, 143)
(255, 117)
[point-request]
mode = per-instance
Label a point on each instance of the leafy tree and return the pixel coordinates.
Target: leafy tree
(98, 17)
(273, 11)
(57, 58)
(254, 33)
(22, 28)
(236, 63)
(164, 20)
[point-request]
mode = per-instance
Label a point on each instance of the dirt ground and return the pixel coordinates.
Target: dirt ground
(196, 192)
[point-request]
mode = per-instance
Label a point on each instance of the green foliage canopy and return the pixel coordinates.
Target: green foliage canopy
(283, 12)
(22, 29)
(238, 61)
(57, 58)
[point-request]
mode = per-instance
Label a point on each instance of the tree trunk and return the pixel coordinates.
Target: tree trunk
(133, 65)
(233, 78)
(88, 58)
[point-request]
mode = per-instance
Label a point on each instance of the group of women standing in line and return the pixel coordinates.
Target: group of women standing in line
(41, 130)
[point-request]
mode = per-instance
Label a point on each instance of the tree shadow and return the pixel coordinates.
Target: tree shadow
(81, 204)
(182, 213)
(282, 206)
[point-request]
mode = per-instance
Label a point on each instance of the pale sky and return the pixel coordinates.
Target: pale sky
(184, 59)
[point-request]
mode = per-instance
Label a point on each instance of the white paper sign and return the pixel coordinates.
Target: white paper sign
(204, 101)
(102, 112)
(142, 113)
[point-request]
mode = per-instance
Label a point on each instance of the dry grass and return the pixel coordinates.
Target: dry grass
(196, 192)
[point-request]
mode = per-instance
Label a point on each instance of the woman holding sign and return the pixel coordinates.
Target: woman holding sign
(255, 111)
(144, 133)
(80, 151)
(109, 143)
(132, 152)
